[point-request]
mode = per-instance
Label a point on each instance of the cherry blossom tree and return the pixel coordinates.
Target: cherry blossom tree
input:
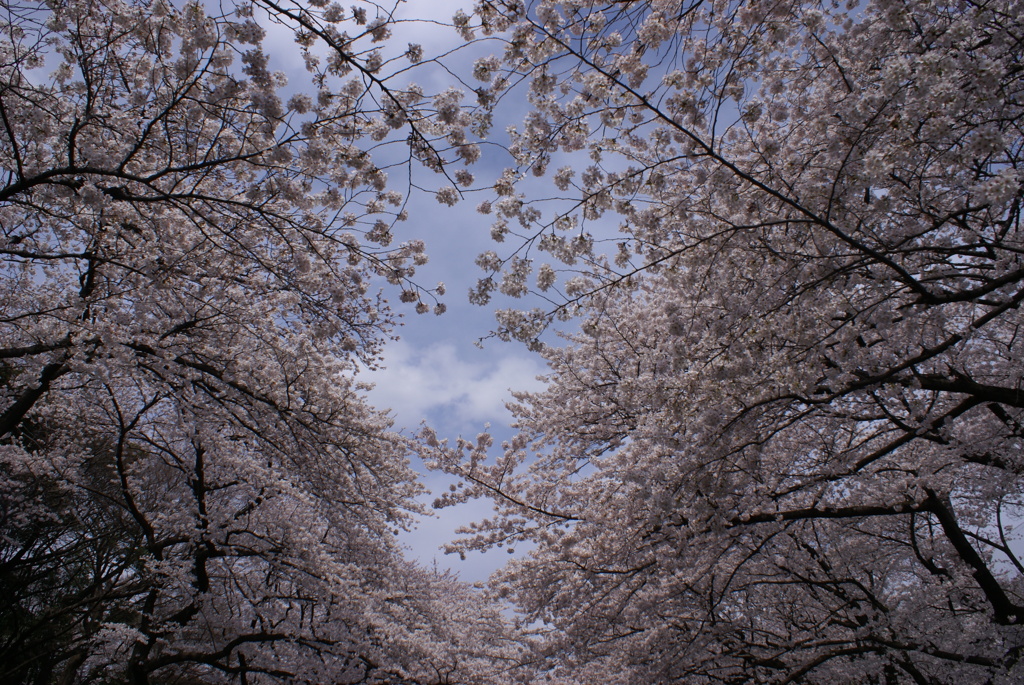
(192, 487)
(785, 442)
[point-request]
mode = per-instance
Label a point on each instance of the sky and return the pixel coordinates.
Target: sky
(437, 371)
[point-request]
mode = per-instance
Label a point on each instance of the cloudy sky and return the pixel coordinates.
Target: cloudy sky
(437, 372)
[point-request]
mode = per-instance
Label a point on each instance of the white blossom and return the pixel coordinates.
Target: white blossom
(448, 195)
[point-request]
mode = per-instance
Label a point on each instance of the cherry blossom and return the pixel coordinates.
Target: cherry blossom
(192, 485)
(784, 442)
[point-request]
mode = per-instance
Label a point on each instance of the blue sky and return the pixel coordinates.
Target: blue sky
(436, 372)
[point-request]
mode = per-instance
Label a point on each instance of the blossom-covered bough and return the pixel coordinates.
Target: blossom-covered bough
(785, 443)
(192, 487)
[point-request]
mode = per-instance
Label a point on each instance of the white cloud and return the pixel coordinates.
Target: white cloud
(457, 388)
(463, 387)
